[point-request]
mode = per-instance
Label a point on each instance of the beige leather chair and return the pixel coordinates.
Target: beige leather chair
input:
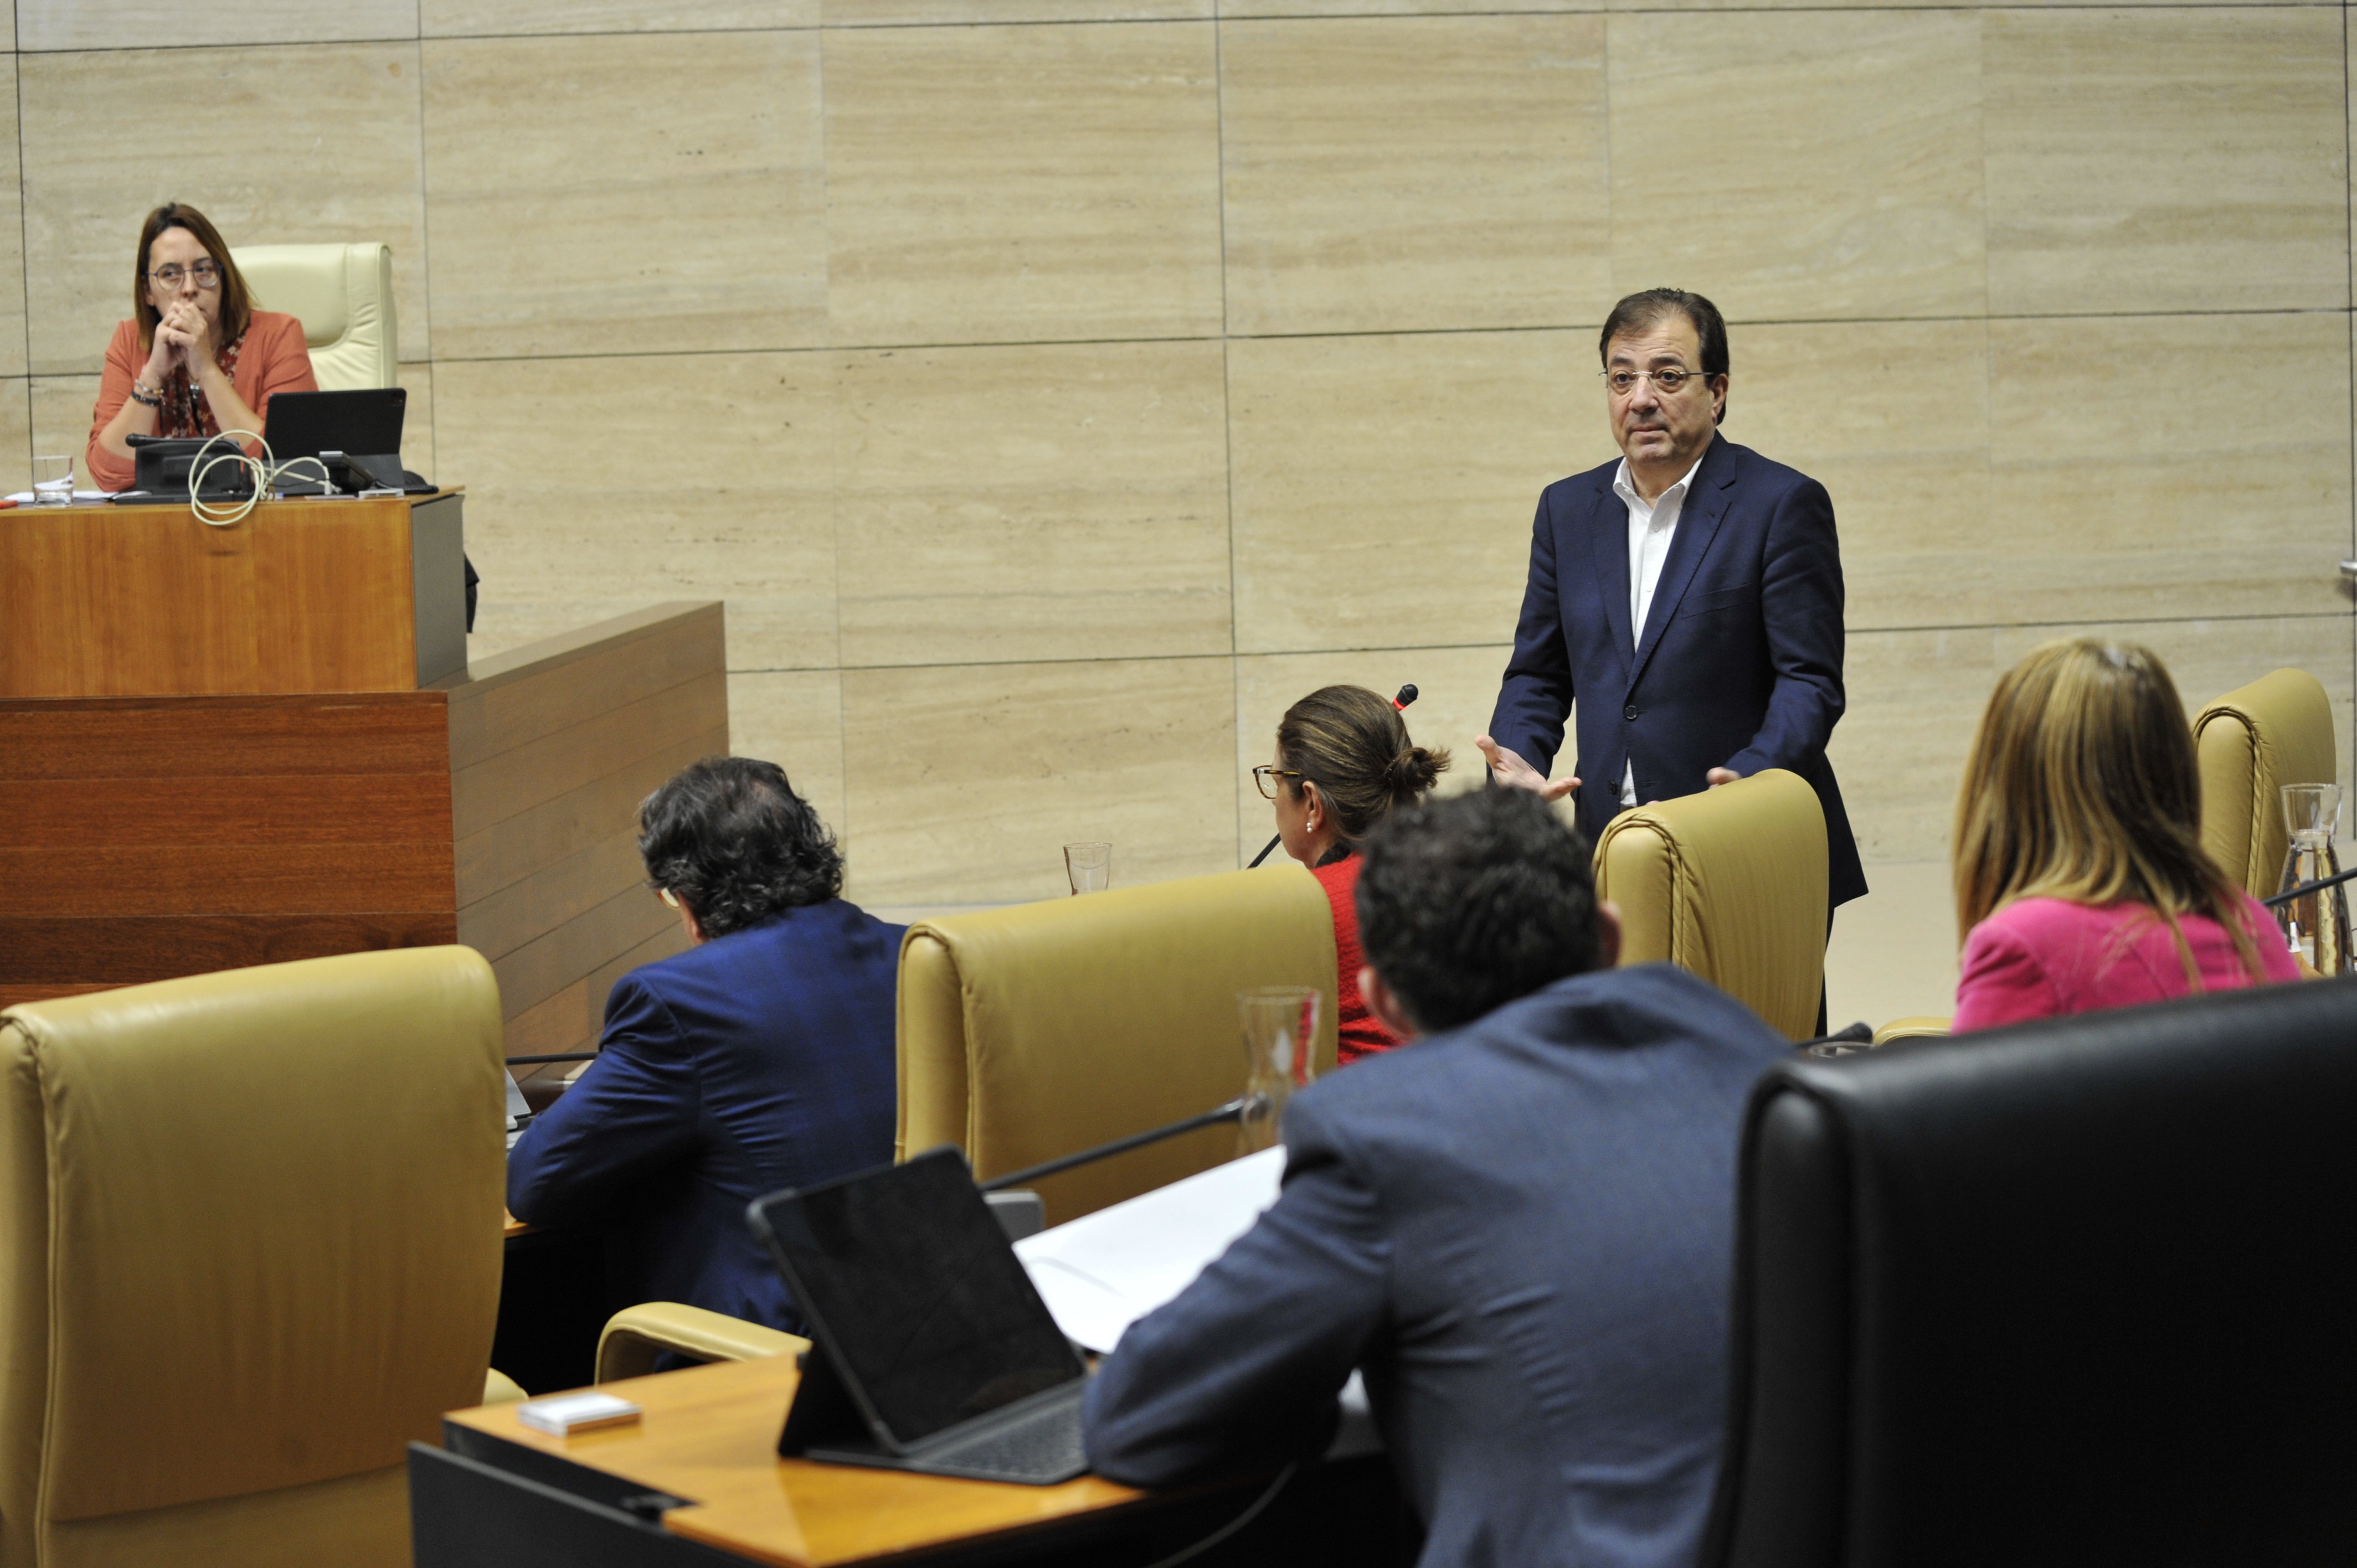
(635, 1335)
(1730, 884)
(2251, 742)
(343, 296)
(1043, 1029)
(250, 1242)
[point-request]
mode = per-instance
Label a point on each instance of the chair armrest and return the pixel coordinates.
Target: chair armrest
(635, 1335)
(500, 1389)
(1918, 1028)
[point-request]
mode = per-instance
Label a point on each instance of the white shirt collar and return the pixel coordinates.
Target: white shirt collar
(1628, 492)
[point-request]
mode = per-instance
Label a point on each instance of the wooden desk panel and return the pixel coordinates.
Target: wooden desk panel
(710, 1433)
(151, 837)
(299, 596)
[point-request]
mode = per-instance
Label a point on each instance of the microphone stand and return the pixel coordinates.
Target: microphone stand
(1235, 1109)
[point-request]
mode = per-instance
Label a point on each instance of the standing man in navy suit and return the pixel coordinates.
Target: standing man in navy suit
(760, 1058)
(1688, 596)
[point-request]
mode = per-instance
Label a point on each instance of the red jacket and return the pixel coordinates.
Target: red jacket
(1359, 1032)
(273, 360)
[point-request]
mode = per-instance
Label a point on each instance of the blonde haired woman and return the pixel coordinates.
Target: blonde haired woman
(2081, 878)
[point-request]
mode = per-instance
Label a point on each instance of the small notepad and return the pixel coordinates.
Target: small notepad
(567, 1414)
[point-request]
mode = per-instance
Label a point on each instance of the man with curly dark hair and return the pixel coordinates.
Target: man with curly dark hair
(760, 1058)
(1519, 1226)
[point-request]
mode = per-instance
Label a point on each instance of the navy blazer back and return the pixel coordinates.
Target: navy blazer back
(1739, 663)
(759, 1060)
(1522, 1230)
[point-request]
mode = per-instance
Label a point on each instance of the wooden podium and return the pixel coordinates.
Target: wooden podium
(230, 746)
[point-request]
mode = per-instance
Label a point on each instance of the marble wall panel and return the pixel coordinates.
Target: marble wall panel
(1019, 184)
(277, 146)
(2207, 659)
(891, 13)
(599, 485)
(1384, 485)
(1914, 698)
(2177, 159)
(2153, 466)
(121, 24)
(1455, 688)
(16, 436)
(1369, 189)
(1799, 168)
(12, 348)
(1053, 501)
(626, 195)
(964, 782)
(511, 19)
(61, 411)
(1892, 418)
(794, 718)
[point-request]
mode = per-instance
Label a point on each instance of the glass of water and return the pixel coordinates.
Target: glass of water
(1280, 1030)
(1089, 866)
(53, 479)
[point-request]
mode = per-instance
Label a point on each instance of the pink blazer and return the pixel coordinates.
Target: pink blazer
(2043, 958)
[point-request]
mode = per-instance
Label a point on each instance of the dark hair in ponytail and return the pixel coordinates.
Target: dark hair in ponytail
(1354, 746)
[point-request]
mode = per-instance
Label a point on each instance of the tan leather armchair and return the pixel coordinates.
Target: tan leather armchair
(1042, 1029)
(250, 1242)
(1730, 884)
(2251, 742)
(635, 1335)
(343, 296)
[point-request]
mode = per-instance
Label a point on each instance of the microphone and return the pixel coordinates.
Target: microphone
(1407, 694)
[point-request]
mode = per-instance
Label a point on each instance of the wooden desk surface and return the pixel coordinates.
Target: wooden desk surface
(711, 1434)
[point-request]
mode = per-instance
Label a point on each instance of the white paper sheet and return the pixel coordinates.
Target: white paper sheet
(1101, 1272)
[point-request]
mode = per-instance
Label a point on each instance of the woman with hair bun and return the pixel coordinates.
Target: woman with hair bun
(1344, 762)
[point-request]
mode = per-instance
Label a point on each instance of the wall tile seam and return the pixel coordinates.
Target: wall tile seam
(859, 28)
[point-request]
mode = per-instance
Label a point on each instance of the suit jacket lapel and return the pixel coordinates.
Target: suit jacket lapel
(1698, 520)
(1608, 535)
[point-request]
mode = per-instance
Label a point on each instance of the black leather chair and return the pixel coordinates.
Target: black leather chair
(2077, 1292)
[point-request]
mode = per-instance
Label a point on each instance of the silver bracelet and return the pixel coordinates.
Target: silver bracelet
(146, 399)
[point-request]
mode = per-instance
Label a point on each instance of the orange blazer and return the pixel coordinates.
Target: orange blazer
(272, 360)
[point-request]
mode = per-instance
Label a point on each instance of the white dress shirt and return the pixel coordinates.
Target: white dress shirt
(1651, 529)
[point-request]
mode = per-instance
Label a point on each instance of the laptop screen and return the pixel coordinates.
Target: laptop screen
(916, 1286)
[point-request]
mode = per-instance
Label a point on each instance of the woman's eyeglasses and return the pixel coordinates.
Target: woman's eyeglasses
(172, 274)
(1266, 777)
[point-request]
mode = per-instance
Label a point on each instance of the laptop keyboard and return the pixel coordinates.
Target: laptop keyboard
(1043, 1446)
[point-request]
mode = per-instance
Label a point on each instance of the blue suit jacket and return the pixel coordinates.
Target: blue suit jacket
(1523, 1231)
(1739, 663)
(759, 1060)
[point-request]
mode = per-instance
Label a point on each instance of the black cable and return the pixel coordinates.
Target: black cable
(2305, 888)
(1234, 1524)
(559, 1056)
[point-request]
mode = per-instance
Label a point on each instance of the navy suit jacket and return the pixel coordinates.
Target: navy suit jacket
(762, 1059)
(1739, 663)
(1521, 1231)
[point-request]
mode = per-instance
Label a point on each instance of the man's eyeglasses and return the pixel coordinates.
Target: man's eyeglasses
(171, 274)
(1266, 777)
(1669, 380)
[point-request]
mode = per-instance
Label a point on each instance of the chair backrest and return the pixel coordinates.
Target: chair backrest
(2253, 741)
(249, 1248)
(343, 296)
(1730, 884)
(2078, 1291)
(1042, 1029)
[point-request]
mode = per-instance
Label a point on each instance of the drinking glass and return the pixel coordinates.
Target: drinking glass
(1089, 866)
(53, 481)
(1280, 1029)
(2315, 924)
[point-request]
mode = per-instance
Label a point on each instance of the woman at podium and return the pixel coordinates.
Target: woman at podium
(195, 358)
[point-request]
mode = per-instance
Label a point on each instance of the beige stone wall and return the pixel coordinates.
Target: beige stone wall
(1054, 399)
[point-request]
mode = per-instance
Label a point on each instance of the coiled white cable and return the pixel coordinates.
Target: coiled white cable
(266, 471)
